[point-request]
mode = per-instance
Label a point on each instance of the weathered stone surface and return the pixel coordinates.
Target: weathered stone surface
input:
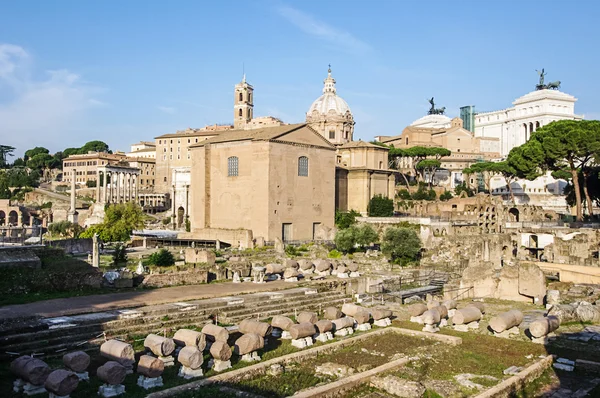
(253, 326)
(342, 323)
(335, 370)
(564, 312)
(506, 320)
(248, 343)
(481, 277)
(305, 264)
(30, 369)
(381, 313)
(279, 246)
(290, 273)
(431, 317)
(433, 304)
(417, 309)
(301, 330)
(77, 361)
(362, 316)
(61, 382)
(322, 265)
(532, 282)
(542, 326)
(341, 269)
(398, 387)
(477, 304)
(159, 345)
(332, 313)
(215, 332)
(442, 310)
(323, 326)
(220, 350)
(291, 264)
(587, 312)
(150, 366)
(552, 297)
(118, 351)
(449, 304)
(466, 315)
(282, 322)
(112, 373)
(306, 316)
(275, 268)
(352, 267)
(191, 357)
(188, 337)
(351, 309)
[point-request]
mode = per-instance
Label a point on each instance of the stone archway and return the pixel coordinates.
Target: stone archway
(180, 214)
(13, 218)
(2, 217)
(513, 214)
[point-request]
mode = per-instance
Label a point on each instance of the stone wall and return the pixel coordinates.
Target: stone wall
(176, 278)
(73, 245)
(18, 257)
(197, 256)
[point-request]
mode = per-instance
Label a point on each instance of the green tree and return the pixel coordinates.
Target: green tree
(120, 254)
(568, 145)
(344, 220)
(401, 245)
(380, 206)
(447, 195)
(365, 235)
(35, 151)
(5, 152)
(40, 161)
(94, 146)
(345, 239)
(19, 162)
(429, 167)
(459, 189)
(119, 222)
(162, 258)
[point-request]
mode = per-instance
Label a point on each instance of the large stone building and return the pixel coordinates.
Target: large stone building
(513, 126)
(143, 149)
(330, 115)
(84, 167)
(465, 149)
(272, 182)
(361, 173)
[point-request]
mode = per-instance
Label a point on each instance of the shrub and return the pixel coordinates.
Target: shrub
(120, 254)
(291, 250)
(162, 258)
(380, 206)
(401, 245)
(65, 228)
(464, 188)
(345, 239)
(334, 254)
(404, 194)
(166, 220)
(344, 220)
(119, 222)
(424, 194)
(447, 195)
(365, 235)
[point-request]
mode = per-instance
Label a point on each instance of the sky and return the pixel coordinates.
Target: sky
(72, 71)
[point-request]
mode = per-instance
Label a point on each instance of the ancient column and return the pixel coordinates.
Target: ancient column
(136, 191)
(174, 208)
(72, 211)
(97, 187)
(187, 201)
(118, 187)
(104, 186)
(95, 251)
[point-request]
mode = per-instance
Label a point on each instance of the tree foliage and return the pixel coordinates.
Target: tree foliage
(380, 206)
(401, 245)
(17, 178)
(344, 219)
(119, 222)
(356, 235)
(459, 189)
(65, 229)
(162, 258)
(447, 195)
(417, 155)
(5, 152)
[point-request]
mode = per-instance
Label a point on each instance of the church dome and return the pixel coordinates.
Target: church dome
(329, 103)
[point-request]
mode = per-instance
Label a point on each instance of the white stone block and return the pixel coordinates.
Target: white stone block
(431, 328)
(382, 323)
(417, 319)
(83, 376)
(285, 335)
(363, 327)
(343, 275)
(189, 373)
(251, 357)
(299, 343)
(149, 382)
(451, 313)
(18, 385)
(108, 391)
(443, 323)
(461, 328)
(354, 274)
(168, 361)
(294, 279)
(309, 341)
(562, 366)
(30, 389)
(219, 366)
(473, 325)
(508, 333)
(52, 395)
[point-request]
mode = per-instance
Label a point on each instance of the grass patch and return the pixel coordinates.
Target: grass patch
(283, 385)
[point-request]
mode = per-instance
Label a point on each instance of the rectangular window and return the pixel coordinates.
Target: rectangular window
(303, 166)
(232, 166)
(315, 227)
(331, 134)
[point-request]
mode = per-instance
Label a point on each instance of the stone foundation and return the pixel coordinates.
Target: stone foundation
(149, 382)
(303, 342)
(344, 332)
(30, 389)
(382, 323)
(467, 327)
(251, 357)
(219, 366)
(417, 319)
(323, 337)
(108, 391)
(363, 327)
(189, 373)
(431, 328)
(508, 333)
(285, 335)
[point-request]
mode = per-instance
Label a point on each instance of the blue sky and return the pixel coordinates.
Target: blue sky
(125, 71)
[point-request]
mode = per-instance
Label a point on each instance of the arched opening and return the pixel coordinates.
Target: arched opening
(380, 164)
(241, 97)
(180, 214)
(249, 97)
(240, 113)
(2, 217)
(13, 218)
(444, 233)
(513, 214)
(232, 166)
(537, 125)
(406, 140)
(533, 241)
(530, 127)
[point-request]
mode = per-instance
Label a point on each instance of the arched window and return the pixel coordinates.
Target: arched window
(240, 112)
(406, 140)
(249, 97)
(232, 166)
(241, 97)
(303, 166)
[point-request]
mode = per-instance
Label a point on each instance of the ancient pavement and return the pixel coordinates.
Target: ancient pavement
(111, 301)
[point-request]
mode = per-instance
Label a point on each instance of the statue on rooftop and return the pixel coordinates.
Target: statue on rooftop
(432, 109)
(550, 86)
(435, 111)
(542, 75)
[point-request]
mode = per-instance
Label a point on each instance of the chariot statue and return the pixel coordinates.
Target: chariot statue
(435, 111)
(550, 86)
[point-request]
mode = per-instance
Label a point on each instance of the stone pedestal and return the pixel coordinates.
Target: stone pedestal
(382, 323)
(343, 275)
(149, 382)
(293, 279)
(251, 357)
(236, 277)
(363, 327)
(323, 273)
(323, 337)
(508, 333)
(303, 342)
(30, 389)
(467, 327)
(344, 332)
(83, 376)
(417, 319)
(451, 313)
(431, 328)
(219, 366)
(544, 339)
(168, 361)
(354, 274)
(189, 373)
(443, 323)
(18, 385)
(107, 390)
(285, 335)
(52, 395)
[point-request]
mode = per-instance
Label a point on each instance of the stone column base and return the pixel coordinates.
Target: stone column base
(285, 335)
(303, 342)
(168, 361)
(108, 391)
(417, 319)
(30, 389)
(189, 373)
(251, 357)
(363, 327)
(508, 333)
(83, 376)
(431, 328)
(323, 337)
(382, 323)
(344, 332)
(219, 366)
(149, 382)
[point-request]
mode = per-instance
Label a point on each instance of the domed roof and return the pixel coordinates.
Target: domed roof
(329, 101)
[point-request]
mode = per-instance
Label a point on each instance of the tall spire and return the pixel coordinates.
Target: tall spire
(329, 83)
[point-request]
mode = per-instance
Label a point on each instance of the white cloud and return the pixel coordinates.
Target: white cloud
(41, 112)
(166, 109)
(307, 23)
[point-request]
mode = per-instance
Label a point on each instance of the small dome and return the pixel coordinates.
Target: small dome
(329, 101)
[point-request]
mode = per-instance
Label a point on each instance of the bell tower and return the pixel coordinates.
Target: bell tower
(243, 104)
